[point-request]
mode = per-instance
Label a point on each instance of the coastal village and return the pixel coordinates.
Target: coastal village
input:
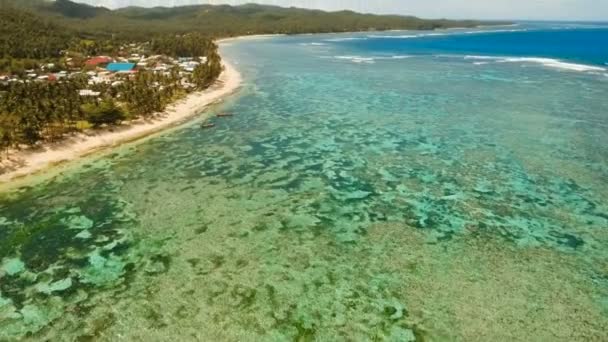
(105, 91)
(97, 84)
(101, 71)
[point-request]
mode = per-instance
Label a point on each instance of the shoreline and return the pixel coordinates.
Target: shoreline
(274, 35)
(27, 162)
(249, 37)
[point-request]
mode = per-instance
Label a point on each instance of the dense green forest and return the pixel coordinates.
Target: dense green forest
(219, 20)
(37, 29)
(23, 35)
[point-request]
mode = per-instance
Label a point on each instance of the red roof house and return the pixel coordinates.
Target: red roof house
(95, 61)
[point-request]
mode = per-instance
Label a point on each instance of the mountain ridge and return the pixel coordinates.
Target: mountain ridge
(66, 9)
(67, 22)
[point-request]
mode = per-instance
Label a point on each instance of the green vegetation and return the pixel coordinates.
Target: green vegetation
(204, 74)
(224, 20)
(134, 23)
(188, 45)
(39, 29)
(32, 111)
(24, 35)
(105, 112)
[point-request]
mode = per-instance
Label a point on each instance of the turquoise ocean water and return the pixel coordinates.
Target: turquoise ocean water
(401, 186)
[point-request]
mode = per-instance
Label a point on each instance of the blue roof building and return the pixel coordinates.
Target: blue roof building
(120, 67)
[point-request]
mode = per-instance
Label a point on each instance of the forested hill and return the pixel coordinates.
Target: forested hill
(26, 35)
(219, 20)
(61, 8)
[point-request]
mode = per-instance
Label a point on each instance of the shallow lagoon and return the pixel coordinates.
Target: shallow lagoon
(357, 194)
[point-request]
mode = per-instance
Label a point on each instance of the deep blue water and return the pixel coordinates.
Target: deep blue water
(581, 43)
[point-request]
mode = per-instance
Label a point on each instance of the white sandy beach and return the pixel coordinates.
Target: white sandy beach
(250, 37)
(26, 162)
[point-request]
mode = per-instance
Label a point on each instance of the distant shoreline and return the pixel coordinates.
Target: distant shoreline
(274, 35)
(249, 37)
(22, 163)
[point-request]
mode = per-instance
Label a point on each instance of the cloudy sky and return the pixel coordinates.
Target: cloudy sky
(475, 9)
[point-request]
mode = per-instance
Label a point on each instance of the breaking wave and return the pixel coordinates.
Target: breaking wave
(313, 44)
(435, 34)
(370, 59)
(547, 62)
(346, 39)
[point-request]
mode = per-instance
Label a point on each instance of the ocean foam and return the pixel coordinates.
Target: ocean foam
(313, 44)
(437, 34)
(547, 62)
(345, 39)
(371, 59)
(490, 58)
(401, 57)
(356, 59)
(406, 36)
(495, 31)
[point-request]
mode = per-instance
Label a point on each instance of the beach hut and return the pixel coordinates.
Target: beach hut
(120, 67)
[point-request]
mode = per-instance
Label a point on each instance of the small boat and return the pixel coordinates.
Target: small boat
(224, 115)
(206, 125)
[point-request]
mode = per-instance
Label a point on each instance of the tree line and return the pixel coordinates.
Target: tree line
(186, 45)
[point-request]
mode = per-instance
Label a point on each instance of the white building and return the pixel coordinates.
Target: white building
(88, 92)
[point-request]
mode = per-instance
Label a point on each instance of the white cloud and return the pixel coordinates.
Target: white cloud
(477, 9)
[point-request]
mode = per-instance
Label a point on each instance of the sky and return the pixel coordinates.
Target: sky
(456, 9)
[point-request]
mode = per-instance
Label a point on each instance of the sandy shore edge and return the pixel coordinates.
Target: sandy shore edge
(27, 162)
(250, 37)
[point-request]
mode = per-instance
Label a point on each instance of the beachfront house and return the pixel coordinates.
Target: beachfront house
(121, 67)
